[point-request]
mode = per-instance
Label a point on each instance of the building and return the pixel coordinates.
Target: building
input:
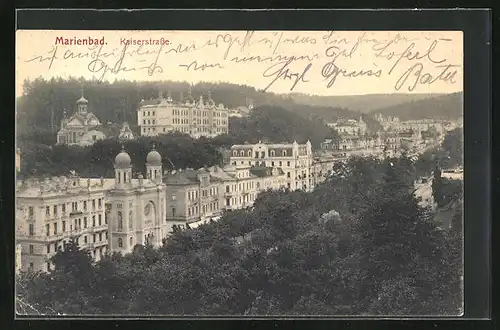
(126, 133)
(242, 111)
(136, 207)
(18, 160)
(82, 128)
(103, 215)
(196, 118)
(199, 195)
(348, 146)
(50, 212)
(349, 127)
(19, 261)
(192, 195)
(294, 159)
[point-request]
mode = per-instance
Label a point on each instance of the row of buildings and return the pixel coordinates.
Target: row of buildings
(115, 214)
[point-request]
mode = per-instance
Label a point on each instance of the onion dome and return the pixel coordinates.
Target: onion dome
(82, 100)
(154, 157)
(122, 160)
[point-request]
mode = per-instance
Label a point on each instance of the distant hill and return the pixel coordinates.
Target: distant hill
(449, 106)
(359, 103)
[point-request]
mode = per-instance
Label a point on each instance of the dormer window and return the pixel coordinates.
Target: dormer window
(273, 153)
(242, 153)
(284, 153)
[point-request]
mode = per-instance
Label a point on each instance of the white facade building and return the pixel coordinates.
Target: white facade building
(294, 159)
(201, 118)
(49, 212)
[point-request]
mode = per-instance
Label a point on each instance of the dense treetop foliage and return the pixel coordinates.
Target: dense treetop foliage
(359, 244)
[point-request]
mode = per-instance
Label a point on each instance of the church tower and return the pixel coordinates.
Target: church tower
(82, 103)
(123, 170)
(153, 166)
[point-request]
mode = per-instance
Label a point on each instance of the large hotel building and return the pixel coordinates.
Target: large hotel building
(196, 118)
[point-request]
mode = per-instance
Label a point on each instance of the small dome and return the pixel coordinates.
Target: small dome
(82, 100)
(153, 158)
(122, 160)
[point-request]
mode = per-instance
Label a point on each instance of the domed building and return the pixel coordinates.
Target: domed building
(82, 128)
(136, 207)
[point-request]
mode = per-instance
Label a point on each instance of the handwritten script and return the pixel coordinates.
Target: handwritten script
(275, 59)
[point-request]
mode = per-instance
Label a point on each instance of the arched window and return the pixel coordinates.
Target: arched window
(131, 241)
(273, 153)
(284, 153)
(120, 221)
(120, 243)
(125, 177)
(249, 153)
(242, 153)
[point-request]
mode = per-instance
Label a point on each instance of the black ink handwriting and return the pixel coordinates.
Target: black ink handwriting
(420, 77)
(52, 56)
(195, 66)
(281, 70)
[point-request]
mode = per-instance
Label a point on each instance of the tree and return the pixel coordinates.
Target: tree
(437, 187)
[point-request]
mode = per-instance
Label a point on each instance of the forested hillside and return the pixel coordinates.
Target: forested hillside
(41, 107)
(361, 103)
(448, 106)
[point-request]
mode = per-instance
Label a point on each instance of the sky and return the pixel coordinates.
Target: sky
(310, 62)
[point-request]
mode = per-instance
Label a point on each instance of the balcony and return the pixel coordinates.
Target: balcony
(75, 213)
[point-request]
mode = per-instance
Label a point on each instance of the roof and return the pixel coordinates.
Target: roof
(185, 177)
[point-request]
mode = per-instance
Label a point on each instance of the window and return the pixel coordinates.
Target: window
(55, 210)
(48, 248)
(85, 222)
(284, 153)
(64, 226)
(85, 239)
(281, 164)
(30, 211)
(93, 221)
(273, 153)
(55, 228)
(99, 203)
(120, 243)
(100, 237)
(31, 229)
(131, 241)
(93, 238)
(47, 229)
(63, 208)
(288, 174)
(93, 204)
(32, 249)
(48, 266)
(31, 266)
(47, 210)
(173, 211)
(120, 221)
(288, 163)
(100, 219)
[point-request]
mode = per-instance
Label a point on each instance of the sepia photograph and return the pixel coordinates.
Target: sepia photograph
(239, 173)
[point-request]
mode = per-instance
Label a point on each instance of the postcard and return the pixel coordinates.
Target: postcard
(239, 173)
